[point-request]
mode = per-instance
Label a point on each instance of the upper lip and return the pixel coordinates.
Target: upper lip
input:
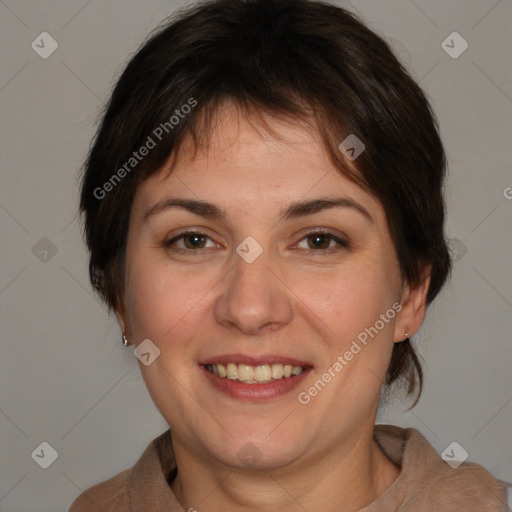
(255, 360)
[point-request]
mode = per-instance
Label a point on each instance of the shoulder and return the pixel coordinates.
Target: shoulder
(470, 485)
(112, 494)
(440, 482)
(147, 478)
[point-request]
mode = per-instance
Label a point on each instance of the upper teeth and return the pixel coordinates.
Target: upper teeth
(252, 374)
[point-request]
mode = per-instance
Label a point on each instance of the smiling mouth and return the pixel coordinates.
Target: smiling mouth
(260, 374)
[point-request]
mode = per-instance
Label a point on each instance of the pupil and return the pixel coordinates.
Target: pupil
(195, 238)
(317, 238)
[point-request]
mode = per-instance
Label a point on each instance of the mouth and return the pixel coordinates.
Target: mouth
(259, 374)
(254, 379)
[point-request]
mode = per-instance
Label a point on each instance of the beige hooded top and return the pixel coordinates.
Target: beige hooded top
(426, 483)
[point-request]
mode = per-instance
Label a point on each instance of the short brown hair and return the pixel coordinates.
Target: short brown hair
(300, 58)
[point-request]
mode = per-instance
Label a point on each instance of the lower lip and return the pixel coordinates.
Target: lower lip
(254, 392)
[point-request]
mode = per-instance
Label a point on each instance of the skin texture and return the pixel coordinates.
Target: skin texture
(292, 300)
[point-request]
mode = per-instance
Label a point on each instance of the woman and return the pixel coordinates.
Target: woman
(263, 208)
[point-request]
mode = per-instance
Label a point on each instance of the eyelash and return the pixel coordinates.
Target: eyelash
(342, 244)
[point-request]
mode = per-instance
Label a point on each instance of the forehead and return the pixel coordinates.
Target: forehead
(247, 165)
(236, 140)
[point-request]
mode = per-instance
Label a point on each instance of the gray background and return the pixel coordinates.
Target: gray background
(64, 375)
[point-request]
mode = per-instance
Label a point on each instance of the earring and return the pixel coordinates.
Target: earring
(406, 333)
(125, 340)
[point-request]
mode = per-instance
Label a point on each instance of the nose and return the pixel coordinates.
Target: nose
(255, 299)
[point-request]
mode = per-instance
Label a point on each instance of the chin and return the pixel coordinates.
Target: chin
(258, 449)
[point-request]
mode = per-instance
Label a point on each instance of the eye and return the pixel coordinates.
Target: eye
(321, 242)
(191, 239)
(317, 241)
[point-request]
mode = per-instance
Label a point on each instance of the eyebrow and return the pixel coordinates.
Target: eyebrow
(293, 211)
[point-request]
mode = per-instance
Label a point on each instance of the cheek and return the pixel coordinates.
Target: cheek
(164, 303)
(167, 307)
(355, 315)
(169, 302)
(351, 298)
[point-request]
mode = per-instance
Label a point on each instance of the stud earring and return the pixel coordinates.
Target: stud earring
(125, 340)
(406, 333)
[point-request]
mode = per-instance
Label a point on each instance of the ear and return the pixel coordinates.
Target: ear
(414, 307)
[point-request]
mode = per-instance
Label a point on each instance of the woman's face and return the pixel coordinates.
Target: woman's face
(256, 286)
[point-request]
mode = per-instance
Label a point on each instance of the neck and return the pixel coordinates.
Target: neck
(344, 479)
